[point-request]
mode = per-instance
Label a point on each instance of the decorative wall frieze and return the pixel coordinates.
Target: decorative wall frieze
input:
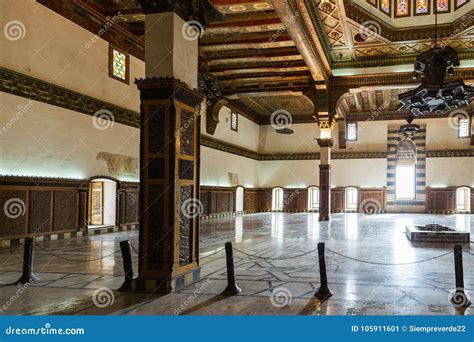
(229, 148)
(19, 84)
(225, 147)
(449, 153)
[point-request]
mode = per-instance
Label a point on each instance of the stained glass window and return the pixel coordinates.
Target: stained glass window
(464, 128)
(352, 131)
(385, 6)
(443, 6)
(422, 6)
(460, 3)
(402, 8)
(118, 65)
(234, 121)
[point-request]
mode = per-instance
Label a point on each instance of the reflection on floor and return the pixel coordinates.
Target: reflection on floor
(371, 265)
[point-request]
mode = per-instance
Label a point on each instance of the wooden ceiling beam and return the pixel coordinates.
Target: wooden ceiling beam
(281, 64)
(241, 55)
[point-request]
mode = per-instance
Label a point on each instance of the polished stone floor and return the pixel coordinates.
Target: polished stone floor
(373, 269)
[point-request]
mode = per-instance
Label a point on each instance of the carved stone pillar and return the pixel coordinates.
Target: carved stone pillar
(169, 155)
(325, 178)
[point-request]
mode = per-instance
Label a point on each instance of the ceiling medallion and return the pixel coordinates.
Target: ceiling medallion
(435, 95)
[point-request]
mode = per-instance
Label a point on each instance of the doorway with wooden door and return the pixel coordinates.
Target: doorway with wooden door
(102, 203)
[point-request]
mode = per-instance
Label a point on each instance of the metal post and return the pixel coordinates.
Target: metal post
(27, 275)
(232, 287)
(459, 298)
(323, 292)
(127, 265)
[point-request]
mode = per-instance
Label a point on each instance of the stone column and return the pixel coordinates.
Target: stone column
(169, 155)
(325, 145)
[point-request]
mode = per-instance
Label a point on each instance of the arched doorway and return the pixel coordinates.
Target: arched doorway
(313, 198)
(463, 199)
(102, 202)
(239, 200)
(350, 199)
(277, 199)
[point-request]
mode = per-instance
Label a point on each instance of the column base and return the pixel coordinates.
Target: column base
(324, 218)
(167, 285)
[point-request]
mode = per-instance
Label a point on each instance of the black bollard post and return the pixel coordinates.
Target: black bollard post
(459, 298)
(232, 287)
(27, 275)
(323, 292)
(127, 265)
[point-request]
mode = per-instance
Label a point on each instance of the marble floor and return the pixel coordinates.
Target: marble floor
(373, 269)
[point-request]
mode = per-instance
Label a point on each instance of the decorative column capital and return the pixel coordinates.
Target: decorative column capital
(161, 88)
(329, 142)
(326, 124)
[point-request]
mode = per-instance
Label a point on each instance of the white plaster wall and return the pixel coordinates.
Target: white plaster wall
(246, 136)
(359, 172)
(301, 141)
(443, 133)
(371, 136)
(454, 171)
(304, 173)
(50, 141)
(288, 173)
(168, 50)
(215, 166)
(54, 49)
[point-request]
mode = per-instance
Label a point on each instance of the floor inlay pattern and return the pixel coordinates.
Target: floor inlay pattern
(373, 269)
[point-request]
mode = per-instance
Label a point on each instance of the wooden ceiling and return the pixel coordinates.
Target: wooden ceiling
(268, 53)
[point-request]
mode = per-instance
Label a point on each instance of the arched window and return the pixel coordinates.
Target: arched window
(405, 170)
(277, 199)
(239, 200)
(463, 200)
(351, 199)
(313, 198)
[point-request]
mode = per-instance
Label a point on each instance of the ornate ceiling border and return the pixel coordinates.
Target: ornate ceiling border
(360, 15)
(390, 79)
(19, 84)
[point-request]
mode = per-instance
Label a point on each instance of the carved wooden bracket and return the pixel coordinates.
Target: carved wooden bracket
(212, 114)
(341, 127)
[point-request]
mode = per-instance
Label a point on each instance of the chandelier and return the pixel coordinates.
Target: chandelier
(434, 94)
